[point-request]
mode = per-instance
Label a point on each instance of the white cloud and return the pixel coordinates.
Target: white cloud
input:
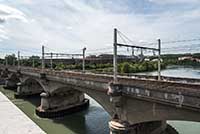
(7, 12)
(174, 1)
(74, 24)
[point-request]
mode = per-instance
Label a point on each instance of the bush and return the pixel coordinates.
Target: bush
(125, 68)
(60, 66)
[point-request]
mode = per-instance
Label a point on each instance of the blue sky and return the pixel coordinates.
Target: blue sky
(70, 25)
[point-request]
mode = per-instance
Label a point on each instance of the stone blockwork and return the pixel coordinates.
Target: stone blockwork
(56, 102)
(56, 105)
(155, 127)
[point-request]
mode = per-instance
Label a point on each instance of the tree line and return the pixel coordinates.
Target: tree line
(123, 67)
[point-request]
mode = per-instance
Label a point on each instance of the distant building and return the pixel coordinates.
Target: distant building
(157, 60)
(185, 58)
(188, 58)
(146, 59)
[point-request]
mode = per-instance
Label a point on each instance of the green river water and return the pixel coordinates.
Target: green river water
(95, 119)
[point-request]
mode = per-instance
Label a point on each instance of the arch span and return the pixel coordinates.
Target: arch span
(100, 97)
(29, 86)
(12, 80)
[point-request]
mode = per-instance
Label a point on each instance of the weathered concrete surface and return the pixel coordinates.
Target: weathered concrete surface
(14, 121)
(61, 101)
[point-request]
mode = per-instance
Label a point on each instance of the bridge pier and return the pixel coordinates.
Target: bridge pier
(57, 105)
(155, 127)
(120, 125)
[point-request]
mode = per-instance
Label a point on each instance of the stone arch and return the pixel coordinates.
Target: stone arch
(29, 86)
(11, 81)
(14, 77)
(100, 97)
(28, 80)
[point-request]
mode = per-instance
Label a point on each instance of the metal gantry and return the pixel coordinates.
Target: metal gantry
(51, 55)
(18, 60)
(6, 62)
(84, 49)
(116, 44)
(43, 60)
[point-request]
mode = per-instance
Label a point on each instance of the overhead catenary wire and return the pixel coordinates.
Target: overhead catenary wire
(179, 41)
(121, 34)
(100, 49)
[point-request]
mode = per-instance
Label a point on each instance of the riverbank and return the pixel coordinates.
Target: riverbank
(14, 121)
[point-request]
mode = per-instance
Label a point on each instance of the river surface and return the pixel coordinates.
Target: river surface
(95, 119)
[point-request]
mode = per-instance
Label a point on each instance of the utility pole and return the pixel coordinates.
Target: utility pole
(159, 60)
(141, 52)
(33, 64)
(51, 61)
(84, 49)
(43, 62)
(115, 56)
(6, 59)
(13, 62)
(18, 60)
(133, 53)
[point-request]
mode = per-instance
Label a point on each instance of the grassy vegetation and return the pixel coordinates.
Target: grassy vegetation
(125, 67)
(138, 67)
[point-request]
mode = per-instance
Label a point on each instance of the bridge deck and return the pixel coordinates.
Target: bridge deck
(149, 82)
(169, 90)
(186, 86)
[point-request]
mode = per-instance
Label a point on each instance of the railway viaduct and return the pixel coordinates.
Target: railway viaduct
(137, 104)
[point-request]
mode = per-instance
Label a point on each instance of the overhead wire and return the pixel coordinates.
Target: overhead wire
(179, 41)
